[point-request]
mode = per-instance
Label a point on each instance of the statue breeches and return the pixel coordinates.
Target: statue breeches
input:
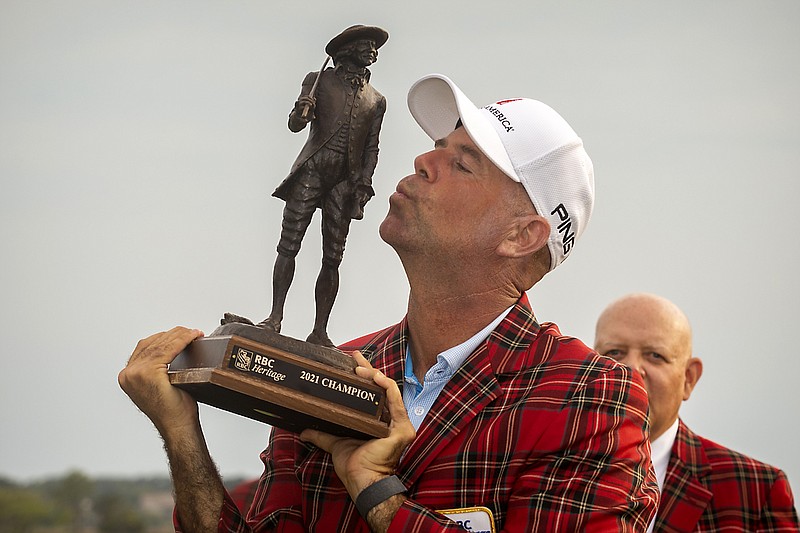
(319, 183)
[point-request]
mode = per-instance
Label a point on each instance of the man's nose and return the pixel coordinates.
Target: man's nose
(635, 362)
(425, 165)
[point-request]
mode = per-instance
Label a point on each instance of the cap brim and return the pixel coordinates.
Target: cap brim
(436, 103)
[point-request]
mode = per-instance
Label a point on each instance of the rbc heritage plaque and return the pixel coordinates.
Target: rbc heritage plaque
(281, 381)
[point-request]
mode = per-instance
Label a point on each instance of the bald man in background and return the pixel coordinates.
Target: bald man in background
(704, 486)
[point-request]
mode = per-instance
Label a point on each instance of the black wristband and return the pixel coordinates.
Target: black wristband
(378, 492)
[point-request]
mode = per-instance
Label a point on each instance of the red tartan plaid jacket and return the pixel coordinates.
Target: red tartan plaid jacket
(712, 488)
(535, 426)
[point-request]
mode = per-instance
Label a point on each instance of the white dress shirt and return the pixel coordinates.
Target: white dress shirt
(419, 397)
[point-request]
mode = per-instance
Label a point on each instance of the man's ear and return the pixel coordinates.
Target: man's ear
(694, 369)
(528, 234)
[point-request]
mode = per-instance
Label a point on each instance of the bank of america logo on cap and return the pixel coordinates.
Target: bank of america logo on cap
(529, 141)
(504, 121)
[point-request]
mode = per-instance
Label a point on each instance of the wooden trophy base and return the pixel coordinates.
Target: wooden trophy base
(281, 381)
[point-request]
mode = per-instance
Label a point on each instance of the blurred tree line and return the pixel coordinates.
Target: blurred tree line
(75, 503)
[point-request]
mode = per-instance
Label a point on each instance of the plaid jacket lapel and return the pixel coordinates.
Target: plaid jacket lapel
(685, 497)
(471, 389)
(387, 351)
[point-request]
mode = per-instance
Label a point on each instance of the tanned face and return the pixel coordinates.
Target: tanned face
(449, 206)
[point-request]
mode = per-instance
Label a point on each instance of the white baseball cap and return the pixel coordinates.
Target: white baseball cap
(529, 142)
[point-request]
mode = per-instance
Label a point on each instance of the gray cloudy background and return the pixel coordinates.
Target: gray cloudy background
(140, 143)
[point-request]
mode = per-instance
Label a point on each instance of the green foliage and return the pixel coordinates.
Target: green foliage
(117, 515)
(22, 509)
(72, 493)
(75, 502)
(72, 489)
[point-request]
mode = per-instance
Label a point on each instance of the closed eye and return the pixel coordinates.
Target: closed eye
(461, 168)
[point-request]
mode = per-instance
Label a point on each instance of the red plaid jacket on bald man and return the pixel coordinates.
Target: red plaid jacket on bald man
(712, 488)
(534, 426)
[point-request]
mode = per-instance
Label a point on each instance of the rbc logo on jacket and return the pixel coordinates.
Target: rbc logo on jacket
(467, 526)
(475, 519)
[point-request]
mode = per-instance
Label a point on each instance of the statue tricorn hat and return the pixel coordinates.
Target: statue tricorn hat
(354, 33)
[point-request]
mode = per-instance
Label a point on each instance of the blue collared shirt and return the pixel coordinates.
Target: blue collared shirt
(419, 397)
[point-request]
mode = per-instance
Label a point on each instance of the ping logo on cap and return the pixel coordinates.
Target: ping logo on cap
(564, 228)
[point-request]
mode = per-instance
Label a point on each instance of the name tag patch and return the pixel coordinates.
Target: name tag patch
(474, 519)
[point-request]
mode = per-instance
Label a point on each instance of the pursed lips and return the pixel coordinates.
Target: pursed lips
(402, 189)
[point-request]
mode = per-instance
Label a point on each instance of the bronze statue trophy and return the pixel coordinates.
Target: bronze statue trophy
(251, 369)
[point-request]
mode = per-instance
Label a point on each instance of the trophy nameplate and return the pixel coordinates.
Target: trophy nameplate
(281, 381)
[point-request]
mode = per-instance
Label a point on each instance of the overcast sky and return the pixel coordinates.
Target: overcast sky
(140, 143)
